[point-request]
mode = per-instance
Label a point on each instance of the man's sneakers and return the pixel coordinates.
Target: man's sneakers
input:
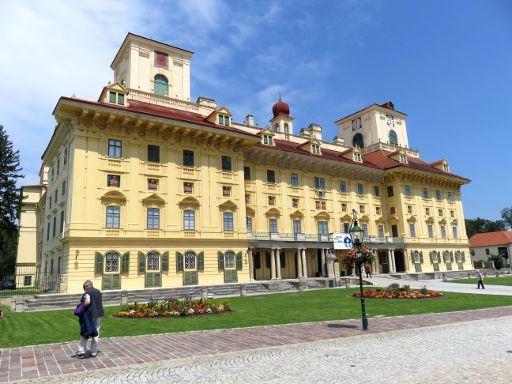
(94, 354)
(79, 355)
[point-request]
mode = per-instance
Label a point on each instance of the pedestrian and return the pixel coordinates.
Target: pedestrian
(368, 270)
(480, 280)
(90, 321)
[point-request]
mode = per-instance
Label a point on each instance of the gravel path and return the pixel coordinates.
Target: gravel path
(469, 352)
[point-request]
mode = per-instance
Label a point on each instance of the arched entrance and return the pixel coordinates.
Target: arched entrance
(399, 261)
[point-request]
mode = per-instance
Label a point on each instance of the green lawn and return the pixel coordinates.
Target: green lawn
(28, 328)
(504, 280)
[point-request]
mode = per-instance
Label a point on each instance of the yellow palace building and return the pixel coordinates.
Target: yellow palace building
(144, 188)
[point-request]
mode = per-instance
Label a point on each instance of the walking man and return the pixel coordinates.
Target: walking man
(480, 280)
(93, 304)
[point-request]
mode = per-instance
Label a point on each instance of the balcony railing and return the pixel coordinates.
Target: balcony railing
(318, 237)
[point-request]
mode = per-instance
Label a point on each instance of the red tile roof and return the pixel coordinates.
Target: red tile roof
(490, 239)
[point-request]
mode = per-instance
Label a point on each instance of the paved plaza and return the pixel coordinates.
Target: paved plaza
(457, 347)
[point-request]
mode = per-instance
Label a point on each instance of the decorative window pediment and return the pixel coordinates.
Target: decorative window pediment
(267, 137)
(273, 212)
(353, 154)
(411, 219)
(442, 221)
(297, 214)
(221, 116)
(113, 197)
(322, 215)
(364, 218)
(189, 201)
(250, 211)
(153, 199)
(346, 217)
(228, 205)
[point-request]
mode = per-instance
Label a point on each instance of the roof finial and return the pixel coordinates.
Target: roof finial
(279, 95)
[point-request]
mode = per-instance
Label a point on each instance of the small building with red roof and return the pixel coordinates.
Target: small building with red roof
(483, 245)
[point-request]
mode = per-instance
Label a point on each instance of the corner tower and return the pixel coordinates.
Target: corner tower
(150, 66)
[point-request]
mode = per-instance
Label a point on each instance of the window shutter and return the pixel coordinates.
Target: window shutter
(200, 261)
(165, 262)
(98, 265)
(179, 262)
(142, 262)
(125, 262)
(220, 259)
(431, 259)
(239, 265)
(421, 257)
(148, 280)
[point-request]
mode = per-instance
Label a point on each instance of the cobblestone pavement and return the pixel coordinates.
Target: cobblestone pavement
(306, 352)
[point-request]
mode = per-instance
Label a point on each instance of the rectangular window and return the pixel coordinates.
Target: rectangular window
(380, 229)
(228, 221)
(188, 187)
(226, 191)
(154, 153)
(248, 222)
(376, 191)
(390, 191)
(247, 173)
(272, 225)
(412, 229)
(455, 231)
(120, 98)
(189, 220)
(48, 232)
(224, 120)
(188, 158)
(54, 232)
(295, 202)
(343, 186)
(112, 97)
(426, 193)
(226, 163)
(115, 148)
(409, 209)
(449, 196)
(361, 209)
(346, 227)
(294, 179)
(378, 210)
(430, 230)
(55, 195)
(65, 155)
(63, 188)
(360, 189)
(297, 227)
(113, 216)
(153, 184)
(427, 211)
(323, 228)
(271, 176)
(440, 212)
(438, 195)
(247, 198)
(443, 232)
(153, 218)
(364, 227)
(267, 139)
(113, 181)
(61, 221)
(408, 190)
(319, 183)
(271, 200)
(487, 252)
(161, 60)
(58, 165)
(344, 207)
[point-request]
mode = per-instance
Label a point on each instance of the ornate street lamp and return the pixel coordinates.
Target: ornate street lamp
(356, 232)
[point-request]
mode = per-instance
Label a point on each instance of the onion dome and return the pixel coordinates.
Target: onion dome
(281, 108)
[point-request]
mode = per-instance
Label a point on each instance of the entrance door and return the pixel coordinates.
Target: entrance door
(262, 266)
(318, 263)
(383, 261)
(399, 261)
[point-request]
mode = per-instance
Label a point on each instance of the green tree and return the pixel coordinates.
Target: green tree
(498, 261)
(9, 202)
(506, 215)
(480, 225)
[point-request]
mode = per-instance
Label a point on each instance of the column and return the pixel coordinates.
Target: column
(299, 263)
(375, 264)
(322, 268)
(272, 265)
(392, 267)
(251, 264)
(304, 263)
(406, 260)
(278, 263)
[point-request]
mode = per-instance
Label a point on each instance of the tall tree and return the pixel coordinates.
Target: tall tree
(506, 215)
(9, 202)
(480, 225)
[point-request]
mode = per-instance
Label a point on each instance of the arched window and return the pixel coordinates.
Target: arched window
(276, 127)
(393, 138)
(416, 257)
(435, 257)
(189, 220)
(358, 141)
(153, 261)
(286, 130)
(446, 257)
(230, 260)
(228, 221)
(112, 262)
(190, 260)
(161, 85)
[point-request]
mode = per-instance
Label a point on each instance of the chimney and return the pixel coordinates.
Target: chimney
(249, 120)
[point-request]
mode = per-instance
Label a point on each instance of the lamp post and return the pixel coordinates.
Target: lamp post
(356, 232)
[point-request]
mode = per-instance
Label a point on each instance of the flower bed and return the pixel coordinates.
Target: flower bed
(396, 292)
(173, 307)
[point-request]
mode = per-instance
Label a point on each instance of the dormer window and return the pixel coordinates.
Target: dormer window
(357, 157)
(315, 148)
(446, 168)
(267, 139)
(224, 120)
(116, 98)
(403, 158)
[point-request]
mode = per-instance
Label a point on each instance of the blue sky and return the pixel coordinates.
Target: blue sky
(447, 64)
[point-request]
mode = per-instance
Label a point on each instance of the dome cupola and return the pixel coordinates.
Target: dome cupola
(281, 108)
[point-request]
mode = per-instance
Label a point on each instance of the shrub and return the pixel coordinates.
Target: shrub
(394, 287)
